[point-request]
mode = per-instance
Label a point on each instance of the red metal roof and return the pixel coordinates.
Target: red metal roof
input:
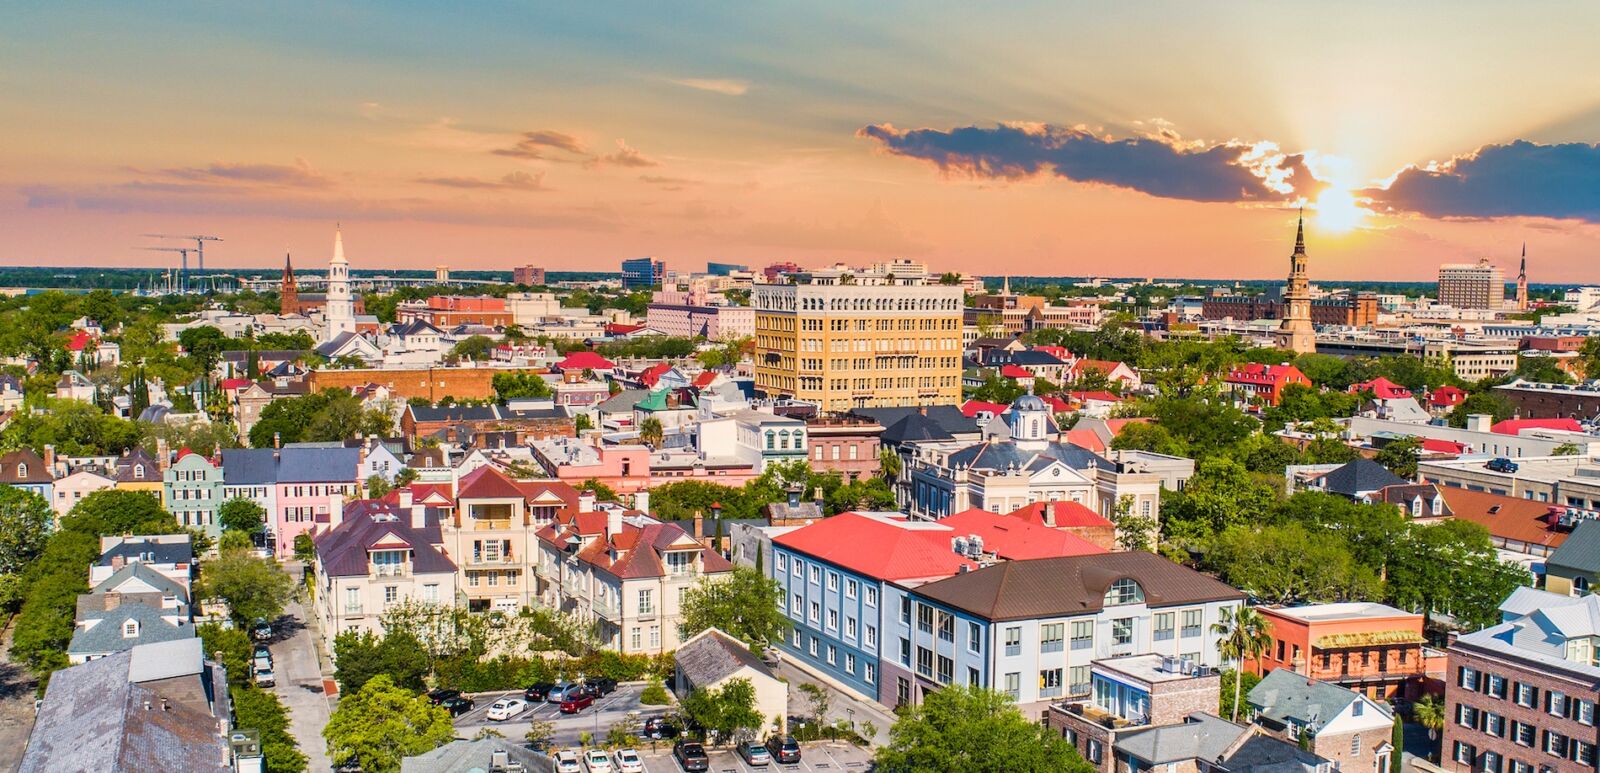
(873, 548)
(585, 360)
(1516, 426)
(972, 408)
(1382, 388)
(1014, 371)
(1067, 514)
(1016, 539)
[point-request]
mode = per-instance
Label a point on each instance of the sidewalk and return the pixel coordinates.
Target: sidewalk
(841, 705)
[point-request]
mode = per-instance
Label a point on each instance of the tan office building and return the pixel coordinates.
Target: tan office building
(1480, 285)
(844, 341)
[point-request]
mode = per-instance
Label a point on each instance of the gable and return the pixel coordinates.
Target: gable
(1057, 472)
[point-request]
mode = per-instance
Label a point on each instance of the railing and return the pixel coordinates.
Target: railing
(1191, 631)
(607, 610)
(352, 609)
(388, 571)
(1050, 692)
(1097, 715)
(1078, 689)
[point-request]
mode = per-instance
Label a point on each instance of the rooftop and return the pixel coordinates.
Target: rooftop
(1348, 610)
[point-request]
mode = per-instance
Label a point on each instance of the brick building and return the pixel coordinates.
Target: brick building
(844, 444)
(1521, 694)
(531, 276)
(527, 422)
(1552, 401)
(1359, 310)
(1351, 729)
(431, 383)
(448, 311)
(1264, 382)
(1131, 694)
(1374, 649)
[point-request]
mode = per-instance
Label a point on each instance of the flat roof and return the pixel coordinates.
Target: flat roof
(1348, 610)
(1149, 669)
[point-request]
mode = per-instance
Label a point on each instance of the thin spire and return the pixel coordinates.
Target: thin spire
(338, 244)
(1300, 233)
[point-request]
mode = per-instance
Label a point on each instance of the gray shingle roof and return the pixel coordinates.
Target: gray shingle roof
(162, 583)
(714, 656)
(318, 465)
(1202, 736)
(453, 413)
(913, 428)
(149, 551)
(106, 635)
(1284, 695)
(1581, 552)
(999, 455)
(948, 417)
(1359, 476)
(461, 756)
(249, 466)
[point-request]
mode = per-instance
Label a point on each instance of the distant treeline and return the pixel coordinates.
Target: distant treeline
(129, 278)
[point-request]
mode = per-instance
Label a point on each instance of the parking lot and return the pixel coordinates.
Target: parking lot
(817, 758)
(596, 719)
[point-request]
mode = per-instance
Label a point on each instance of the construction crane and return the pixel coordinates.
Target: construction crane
(183, 275)
(199, 246)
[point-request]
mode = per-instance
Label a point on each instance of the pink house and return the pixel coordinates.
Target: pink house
(630, 468)
(311, 483)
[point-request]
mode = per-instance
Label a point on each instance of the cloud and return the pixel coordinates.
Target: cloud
(1520, 179)
(625, 156)
(727, 86)
(538, 144)
(668, 183)
(520, 181)
(298, 175)
(1161, 164)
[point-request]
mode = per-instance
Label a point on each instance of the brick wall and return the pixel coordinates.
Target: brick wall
(1492, 711)
(406, 383)
(1350, 757)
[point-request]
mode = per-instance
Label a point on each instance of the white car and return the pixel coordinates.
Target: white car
(628, 761)
(598, 761)
(567, 762)
(506, 708)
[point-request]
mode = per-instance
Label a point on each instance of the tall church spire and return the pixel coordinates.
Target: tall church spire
(1300, 234)
(289, 293)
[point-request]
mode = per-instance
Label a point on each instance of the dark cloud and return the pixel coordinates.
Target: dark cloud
(1520, 179)
(298, 175)
(1163, 166)
(537, 144)
(519, 181)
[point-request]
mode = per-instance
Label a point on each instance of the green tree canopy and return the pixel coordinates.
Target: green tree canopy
(253, 587)
(970, 730)
(25, 524)
(727, 712)
(380, 724)
(242, 514)
(743, 604)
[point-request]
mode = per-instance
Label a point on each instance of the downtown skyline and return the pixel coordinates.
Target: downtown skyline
(1165, 140)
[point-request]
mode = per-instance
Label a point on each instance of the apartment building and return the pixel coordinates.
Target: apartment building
(374, 555)
(1374, 649)
(192, 491)
(845, 343)
(625, 572)
(1480, 285)
(493, 534)
(1031, 628)
(1521, 694)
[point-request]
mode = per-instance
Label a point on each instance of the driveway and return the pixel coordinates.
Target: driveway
(596, 720)
(300, 686)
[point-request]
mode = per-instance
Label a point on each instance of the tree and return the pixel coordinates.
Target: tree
(204, 345)
(727, 712)
(651, 432)
(818, 697)
(361, 656)
(377, 486)
(971, 730)
(1134, 531)
(1144, 436)
(890, 465)
(234, 646)
(120, 511)
(1401, 456)
(1565, 449)
(380, 724)
(1220, 494)
(509, 386)
(1486, 401)
(1397, 741)
(1242, 635)
(540, 733)
(244, 515)
(582, 422)
(405, 477)
(1289, 563)
(138, 393)
(745, 604)
(259, 710)
(474, 347)
(1235, 682)
(601, 492)
(25, 524)
(255, 588)
(304, 548)
(1429, 712)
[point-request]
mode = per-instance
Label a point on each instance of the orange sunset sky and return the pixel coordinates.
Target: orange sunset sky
(1030, 138)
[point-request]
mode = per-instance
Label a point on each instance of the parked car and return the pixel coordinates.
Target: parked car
(755, 754)
(538, 691)
(1502, 465)
(597, 761)
(691, 756)
(661, 728)
(628, 761)
(262, 630)
(261, 651)
(567, 762)
(601, 686)
(265, 678)
(457, 706)
(506, 708)
(577, 701)
(438, 697)
(558, 693)
(784, 749)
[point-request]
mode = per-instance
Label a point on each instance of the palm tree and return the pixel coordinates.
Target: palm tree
(889, 465)
(651, 431)
(1429, 713)
(1242, 636)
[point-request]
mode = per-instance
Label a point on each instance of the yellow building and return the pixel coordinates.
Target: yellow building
(843, 340)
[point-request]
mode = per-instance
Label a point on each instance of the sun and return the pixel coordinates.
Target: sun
(1337, 210)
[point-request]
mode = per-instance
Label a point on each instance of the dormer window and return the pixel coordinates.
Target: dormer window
(130, 629)
(138, 472)
(1124, 591)
(22, 470)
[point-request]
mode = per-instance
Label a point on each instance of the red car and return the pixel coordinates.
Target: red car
(577, 702)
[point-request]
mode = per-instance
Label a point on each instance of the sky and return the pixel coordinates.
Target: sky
(1163, 139)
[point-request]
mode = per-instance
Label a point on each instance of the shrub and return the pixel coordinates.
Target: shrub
(655, 695)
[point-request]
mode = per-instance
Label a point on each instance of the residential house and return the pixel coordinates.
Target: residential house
(169, 555)
(311, 484)
(108, 623)
(138, 471)
(1118, 374)
(624, 571)
(1355, 479)
(374, 555)
(1416, 500)
(1522, 694)
(155, 707)
(711, 658)
(1574, 568)
(1263, 384)
(192, 491)
(74, 386)
(1347, 727)
(252, 473)
(73, 487)
(492, 534)
(28, 471)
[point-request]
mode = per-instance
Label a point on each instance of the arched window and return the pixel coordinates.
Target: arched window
(138, 472)
(1124, 591)
(22, 470)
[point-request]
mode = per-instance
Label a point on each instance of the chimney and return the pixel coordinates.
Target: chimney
(641, 501)
(419, 517)
(405, 498)
(586, 502)
(277, 440)
(163, 454)
(1050, 514)
(1479, 422)
(699, 525)
(50, 458)
(613, 522)
(117, 562)
(335, 510)
(113, 600)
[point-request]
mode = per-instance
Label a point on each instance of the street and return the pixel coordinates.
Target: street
(596, 720)
(300, 687)
(17, 688)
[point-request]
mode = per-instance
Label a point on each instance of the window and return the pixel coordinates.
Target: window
(851, 587)
(833, 654)
(872, 597)
(1121, 631)
(1124, 591)
(1465, 677)
(973, 678)
(947, 627)
(1013, 685)
(1585, 712)
(796, 605)
(816, 574)
(781, 561)
(1522, 733)
(1491, 761)
(1464, 753)
(905, 652)
(795, 568)
(924, 661)
(1192, 619)
(430, 592)
(946, 669)
(1013, 641)
(833, 581)
(816, 612)
(1080, 679)
(1355, 745)
(1164, 625)
(924, 618)
(1527, 695)
(1050, 637)
(1497, 686)
(647, 602)
(1466, 716)
(130, 629)
(1082, 634)
(1555, 703)
(869, 673)
(833, 619)
(1050, 683)
(870, 639)
(1494, 724)
(812, 646)
(1555, 743)
(905, 610)
(391, 594)
(974, 638)
(849, 627)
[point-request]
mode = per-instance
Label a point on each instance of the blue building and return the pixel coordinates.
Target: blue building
(724, 269)
(642, 273)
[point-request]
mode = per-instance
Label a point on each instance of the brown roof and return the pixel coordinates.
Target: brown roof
(1072, 585)
(1520, 520)
(633, 553)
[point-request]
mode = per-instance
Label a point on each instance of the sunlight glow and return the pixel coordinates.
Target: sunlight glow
(1338, 211)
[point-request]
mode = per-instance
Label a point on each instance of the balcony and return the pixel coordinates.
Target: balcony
(1050, 692)
(390, 570)
(1098, 716)
(492, 562)
(607, 610)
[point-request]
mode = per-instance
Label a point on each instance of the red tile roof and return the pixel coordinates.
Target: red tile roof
(1104, 366)
(1101, 396)
(633, 553)
(972, 408)
(1068, 515)
(652, 375)
(1382, 388)
(1516, 426)
(704, 379)
(1058, 352)
(1014, 371)
(585, 360)
(1447, 396)
(486, 482)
